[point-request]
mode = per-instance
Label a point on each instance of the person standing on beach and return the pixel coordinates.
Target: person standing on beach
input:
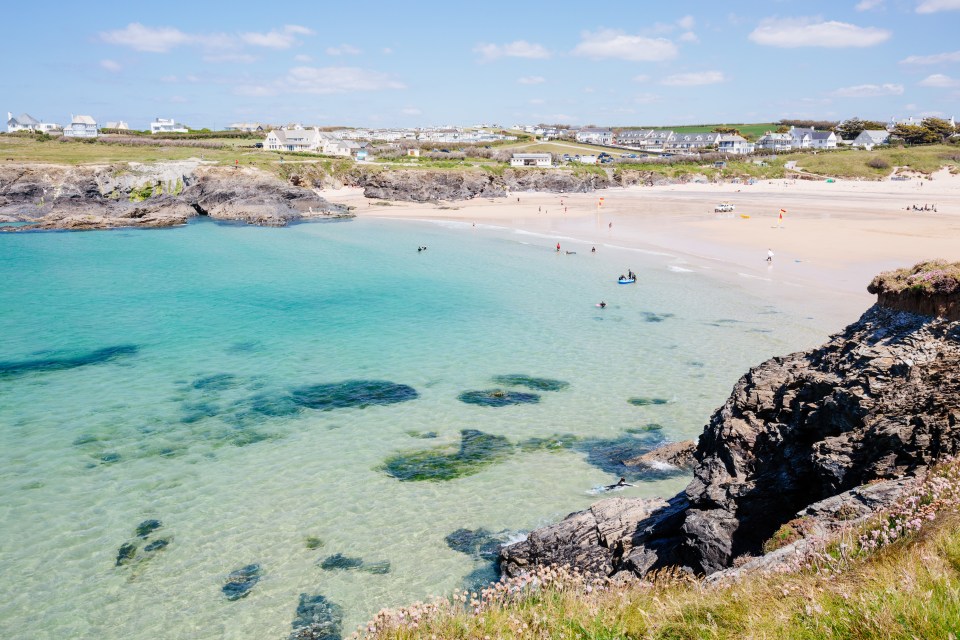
(558, 247)
(770, 256)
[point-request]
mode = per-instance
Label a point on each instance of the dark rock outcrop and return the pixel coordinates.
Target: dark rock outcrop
(157, 195)
(672, 454)
(821, 435)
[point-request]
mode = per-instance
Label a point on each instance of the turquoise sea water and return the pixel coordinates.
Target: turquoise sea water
(150, 375)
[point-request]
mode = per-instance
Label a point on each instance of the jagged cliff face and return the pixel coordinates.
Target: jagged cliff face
(878, 401)
(156, 195)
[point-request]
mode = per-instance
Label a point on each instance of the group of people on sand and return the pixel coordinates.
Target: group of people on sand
(926, 207)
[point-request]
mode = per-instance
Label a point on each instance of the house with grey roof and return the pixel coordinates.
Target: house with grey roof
(693, 141)
(732, 143)
(776, 142)
(868, 139)
(301, 139)
(26, 122)
(810, 138)
(633, 137)
(81, 127)
(592, 135)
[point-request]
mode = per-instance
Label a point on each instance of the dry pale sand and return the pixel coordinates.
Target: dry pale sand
(835, 236)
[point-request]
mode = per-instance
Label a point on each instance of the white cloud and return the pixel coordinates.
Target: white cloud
(517, 49)
(141, 38)
(940, 81)
(688, 36)
(611, 43)
(686, 22)
(804, 32)
(646, 98)
(641, 78)
(276, 38)
(411, 111)
(536, 101)
(869, 91)
(387, 51)
(168, 79)
(933, 6)
(302, 57)
(163, 39)
(867, 5)
(235, 58)
(936, 58)
(178, 100)
(531, 80)
(111, 65)
(328, 80)
(254, 91)
(344, 50)
(694, 79)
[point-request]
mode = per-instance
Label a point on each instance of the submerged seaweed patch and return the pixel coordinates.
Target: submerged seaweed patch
(240, 582)
(477, 450)
(645, 402)
(534, 384)
(555, 442)
(216, 382)
(317, 619)
(480, 544)
(14, 368)
(608, 455)
(498, 397)
(650, 316)
(338, 561)
(352, 393)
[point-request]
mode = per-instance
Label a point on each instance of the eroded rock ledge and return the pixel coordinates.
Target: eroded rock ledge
(841, 428)
(156, 195)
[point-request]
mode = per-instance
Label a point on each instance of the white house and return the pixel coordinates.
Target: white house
(164, 125)
(634, 137)
(869, 139)
(120, 125)
(26, 122)
(804, 138)
(81, 127)
(691, 141)
(531, 160)
(308, 140)
(732, 143)
(776, 142)
(595, 136)
(588, 159)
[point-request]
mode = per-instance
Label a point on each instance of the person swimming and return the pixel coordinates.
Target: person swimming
(621, 483)
(602, 305)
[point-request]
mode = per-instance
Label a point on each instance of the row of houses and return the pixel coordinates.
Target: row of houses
(82, 126)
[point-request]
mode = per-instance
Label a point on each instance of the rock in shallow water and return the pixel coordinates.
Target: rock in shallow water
(126, 553)
(534, 384)
(645, 402)
(480, 544)
(58, 363)
(477, 450)
(338, 561)
(240, 582)
(147, 527)
(352, 393)
(498, 397)
(317, 619)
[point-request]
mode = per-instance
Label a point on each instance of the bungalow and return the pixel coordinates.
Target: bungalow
(732, 143)
(531, 160)
(595, 136)
(249, 127)
(81, 127)
(868, 139)
(164, 125)
(776, 142)
(26, 122)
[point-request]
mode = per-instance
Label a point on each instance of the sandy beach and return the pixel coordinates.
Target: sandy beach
(834, 235)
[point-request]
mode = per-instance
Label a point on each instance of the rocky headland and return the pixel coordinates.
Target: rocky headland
(812, 441)
(44, 197)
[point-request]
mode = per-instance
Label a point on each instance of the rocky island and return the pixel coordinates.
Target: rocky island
(811, 441)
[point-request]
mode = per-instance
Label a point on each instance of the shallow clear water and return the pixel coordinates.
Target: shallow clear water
(218, 323)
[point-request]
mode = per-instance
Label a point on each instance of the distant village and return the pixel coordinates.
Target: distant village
(357, 142)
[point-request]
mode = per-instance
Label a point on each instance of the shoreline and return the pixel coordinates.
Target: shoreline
(833, 237)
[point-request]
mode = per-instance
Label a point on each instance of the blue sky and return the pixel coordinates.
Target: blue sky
(379, 63)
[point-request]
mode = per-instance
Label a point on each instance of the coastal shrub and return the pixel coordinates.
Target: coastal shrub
(931, 277)
(476, 451)
(878, 163)
(498, 398)
(534, 384)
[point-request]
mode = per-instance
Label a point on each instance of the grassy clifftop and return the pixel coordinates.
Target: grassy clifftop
(897, 576)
